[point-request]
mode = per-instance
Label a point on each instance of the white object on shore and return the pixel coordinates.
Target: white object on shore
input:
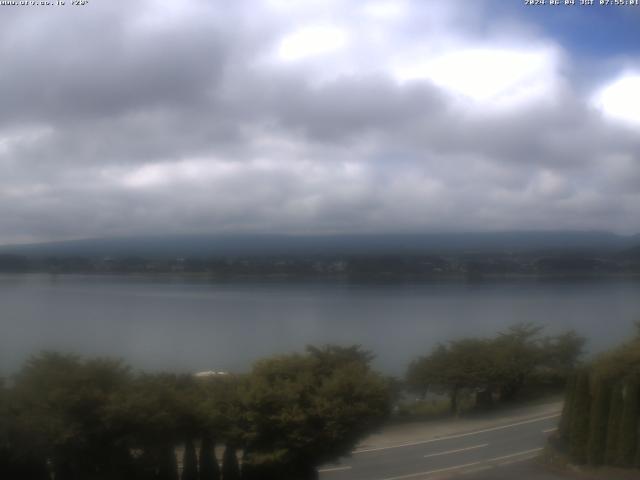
(210, 373)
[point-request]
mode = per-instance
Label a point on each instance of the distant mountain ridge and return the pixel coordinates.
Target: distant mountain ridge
(255, 245)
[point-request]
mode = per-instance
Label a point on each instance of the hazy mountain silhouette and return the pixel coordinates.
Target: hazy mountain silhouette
(229, 245)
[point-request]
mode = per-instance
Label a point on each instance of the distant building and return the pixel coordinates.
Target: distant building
(210, 373)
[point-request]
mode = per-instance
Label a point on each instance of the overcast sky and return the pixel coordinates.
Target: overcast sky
(317, 116)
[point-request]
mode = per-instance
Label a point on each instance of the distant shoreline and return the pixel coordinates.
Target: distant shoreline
(392, 278)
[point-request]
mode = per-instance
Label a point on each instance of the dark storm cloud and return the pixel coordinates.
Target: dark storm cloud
(161, 117)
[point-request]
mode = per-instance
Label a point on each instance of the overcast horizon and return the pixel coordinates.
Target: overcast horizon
(317, 117)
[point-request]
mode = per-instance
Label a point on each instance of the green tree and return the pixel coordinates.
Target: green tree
(564, 427)
(613, 425)
(621, 367)
(502, 365)
(517, 355)
(579, 430)
(427, 373)
(598, 424)
(462, 364)
(158, 412)
(628, 434)
(20, 457)
(561, 354)
(221, 407)
(305, 410)
(564, 350)
(5, 443)
(60, 403)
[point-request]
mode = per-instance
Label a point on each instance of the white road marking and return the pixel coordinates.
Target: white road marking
(334, 469)
(529, 456)
(465, 465)
(549, 430)
(459, 435)
(471, 471)
(456, 451)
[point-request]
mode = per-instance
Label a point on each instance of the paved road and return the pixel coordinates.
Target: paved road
(472, 453)
(524, 470)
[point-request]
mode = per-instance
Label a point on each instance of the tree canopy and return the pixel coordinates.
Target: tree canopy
(72, 418)
(304, 410)
(498, 366)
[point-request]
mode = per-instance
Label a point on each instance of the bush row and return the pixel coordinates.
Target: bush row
(601, 419)
(67, 418)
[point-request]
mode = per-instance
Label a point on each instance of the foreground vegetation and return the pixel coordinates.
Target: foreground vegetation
(477, 372)
(69, 418)
(63, 417)
(601, 420)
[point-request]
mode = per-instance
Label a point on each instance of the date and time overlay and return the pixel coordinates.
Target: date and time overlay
(583, 3)
(43, 3)
(533, 3)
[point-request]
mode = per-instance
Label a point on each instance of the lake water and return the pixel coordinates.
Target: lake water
(195, 324)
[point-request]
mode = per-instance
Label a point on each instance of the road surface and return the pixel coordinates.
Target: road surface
(502, 447)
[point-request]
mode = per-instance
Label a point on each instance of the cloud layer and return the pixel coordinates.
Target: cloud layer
(307, 117)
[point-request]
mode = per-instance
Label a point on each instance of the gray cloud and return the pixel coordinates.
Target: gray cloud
(119, 119)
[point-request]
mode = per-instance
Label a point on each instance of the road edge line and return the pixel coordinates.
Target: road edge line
(458, 435)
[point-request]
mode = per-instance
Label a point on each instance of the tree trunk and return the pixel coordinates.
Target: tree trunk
(189, 461)
(454, 400)
(230, 467)
(484, 399)
(305, 471)
(168, 466)
(209, 469)
(63, 470)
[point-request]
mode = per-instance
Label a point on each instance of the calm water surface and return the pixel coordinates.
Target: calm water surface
(194, 324)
